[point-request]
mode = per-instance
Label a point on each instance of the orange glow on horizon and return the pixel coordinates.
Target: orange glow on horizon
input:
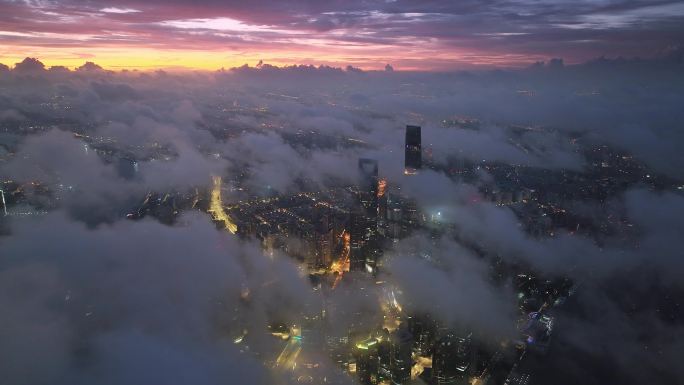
(150, 58)
(136, 58)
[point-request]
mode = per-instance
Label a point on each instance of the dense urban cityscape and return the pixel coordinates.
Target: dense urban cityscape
(343, 235)
(518, 222)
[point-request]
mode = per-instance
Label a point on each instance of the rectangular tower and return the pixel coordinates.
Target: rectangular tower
(364, 216)
(413, 154)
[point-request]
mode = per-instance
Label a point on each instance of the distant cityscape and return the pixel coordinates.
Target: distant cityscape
(342, 237)
(326, 192)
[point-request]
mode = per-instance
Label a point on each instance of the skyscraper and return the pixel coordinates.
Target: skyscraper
(368, 193)
(413, 155)
(364, 216)
(451, 362)
(4, 203)
(423, 328)
(367, 363)
(400, 356)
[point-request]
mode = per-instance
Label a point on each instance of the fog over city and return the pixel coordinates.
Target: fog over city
(113, 272)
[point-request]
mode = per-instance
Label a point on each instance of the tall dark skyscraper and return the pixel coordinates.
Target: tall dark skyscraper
(367, 362)
(368, 194)
(413, 155)
(400, 356)
(4, 203)
(451, 362)
(364, 217)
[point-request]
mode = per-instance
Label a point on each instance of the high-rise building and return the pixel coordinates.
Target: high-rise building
(3, 201)
(537, 331)
(367, 363)
(363, 220)
(413, 154)
(423, 328)
(358, 234)
(402, 216)
(400, 356)
(452, 359)
(324, 238)
(368, 192)
(382, 208)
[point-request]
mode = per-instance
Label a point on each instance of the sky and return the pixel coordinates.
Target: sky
(427, 35)
(100, 299)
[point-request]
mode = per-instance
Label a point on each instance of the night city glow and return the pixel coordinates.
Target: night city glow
(327, 192)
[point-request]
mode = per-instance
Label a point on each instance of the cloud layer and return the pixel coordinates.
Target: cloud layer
(409, 34)
(92, 296)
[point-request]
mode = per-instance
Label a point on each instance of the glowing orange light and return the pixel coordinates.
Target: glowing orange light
(342, 265)
(382, 185)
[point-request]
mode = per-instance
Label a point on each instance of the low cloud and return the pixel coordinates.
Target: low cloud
(94, 301)
(136, 302)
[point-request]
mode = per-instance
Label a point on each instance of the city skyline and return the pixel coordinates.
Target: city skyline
(394, 192)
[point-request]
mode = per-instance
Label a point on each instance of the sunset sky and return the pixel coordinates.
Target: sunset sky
(409, 34)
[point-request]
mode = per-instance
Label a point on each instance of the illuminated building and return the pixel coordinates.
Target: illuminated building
(452, 359)
(517, 376)
(413, 155)
(394, 217)
(363, 223)
(324, 242)
(4, 203)
(358, 235)
(369, 194)
(423, 328)
(367, 362)
(402, 216)
(400, 356)
(383, 230)
(537, 331)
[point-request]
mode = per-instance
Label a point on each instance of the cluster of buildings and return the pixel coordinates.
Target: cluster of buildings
(349, 225)
(344, 231)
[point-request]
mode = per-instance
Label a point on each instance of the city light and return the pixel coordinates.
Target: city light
(330, 192)
(216, 206)
(4, 204)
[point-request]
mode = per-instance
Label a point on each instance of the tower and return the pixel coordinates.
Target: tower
(413, 154)
(364, 217)
(452, 359)
(4, 203)
(400, 356)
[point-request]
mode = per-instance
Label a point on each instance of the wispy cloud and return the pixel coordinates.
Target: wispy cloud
(118, 10)
(417, 34)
